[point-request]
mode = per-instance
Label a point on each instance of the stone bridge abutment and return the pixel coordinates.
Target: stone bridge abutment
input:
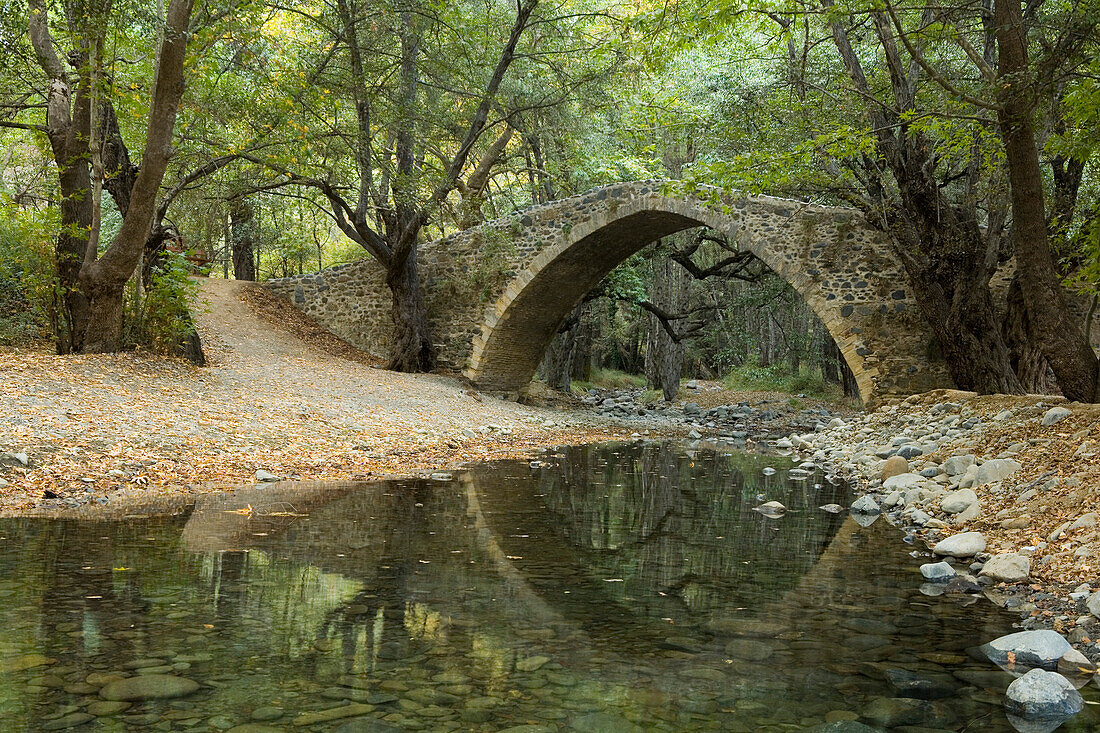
(496, 294)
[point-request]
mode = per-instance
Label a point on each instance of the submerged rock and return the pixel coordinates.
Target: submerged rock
(771, 509)
(148, 687)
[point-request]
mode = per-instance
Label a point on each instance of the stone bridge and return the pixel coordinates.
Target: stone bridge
(496, 294)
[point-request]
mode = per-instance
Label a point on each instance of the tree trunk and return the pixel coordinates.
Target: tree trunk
(104, 332)
(959, 310)
(1060, 337)
(664, 357)
(103, 280)
(1019, 332)
(72, 243)
(413, 350)
(243, 239)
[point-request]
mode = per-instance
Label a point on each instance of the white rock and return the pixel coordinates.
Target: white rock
(902, 481)
(1040, 648)
(1043, 695)
(1093, 603)
(958, 501)
(1085, 520)
(937, 571)
(267, 476)
(964, 544)
(1007, 567)
(955, 465)
(892, 499)
(865, 505)
(969, 514)
(995, 470)
(1055, 415)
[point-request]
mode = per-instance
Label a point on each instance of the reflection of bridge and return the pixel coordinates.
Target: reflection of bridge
(498, 293)
(544, 546)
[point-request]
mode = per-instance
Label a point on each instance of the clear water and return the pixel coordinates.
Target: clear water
(614, 588)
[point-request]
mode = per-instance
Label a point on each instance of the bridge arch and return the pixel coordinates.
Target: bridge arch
(497, 293)
(840, 266)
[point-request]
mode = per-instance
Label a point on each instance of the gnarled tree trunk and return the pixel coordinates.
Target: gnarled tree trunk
(1059, 335)
(413, 350)
(243, 244)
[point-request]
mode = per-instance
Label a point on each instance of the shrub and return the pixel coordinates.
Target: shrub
(160, 318)
(28, 283)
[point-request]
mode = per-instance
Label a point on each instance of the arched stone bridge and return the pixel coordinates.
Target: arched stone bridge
(496, 294)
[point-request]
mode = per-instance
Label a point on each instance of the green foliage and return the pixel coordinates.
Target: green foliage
(609, 379)
(777, 378)
(496, 251)
(159, 319)
(28, 283)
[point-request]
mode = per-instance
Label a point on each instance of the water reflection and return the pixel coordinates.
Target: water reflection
(608, 588)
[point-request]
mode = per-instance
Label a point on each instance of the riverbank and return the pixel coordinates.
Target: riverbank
(1019, 475)
(282, 399)
(276, 399)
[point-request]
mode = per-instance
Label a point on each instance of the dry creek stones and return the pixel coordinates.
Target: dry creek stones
(148, 687)
(865, 505)
(995, 470)
(964, 544)
(894, 466)
(958, 501)
(1008, 567)
(1055, 415)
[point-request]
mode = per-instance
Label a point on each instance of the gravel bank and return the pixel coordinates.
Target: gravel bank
(124, 428)
(1012, 481)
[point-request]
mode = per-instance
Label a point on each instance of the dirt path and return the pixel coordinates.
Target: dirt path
(276, 396)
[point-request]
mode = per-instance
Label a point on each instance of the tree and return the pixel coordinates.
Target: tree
(82, 129)
(397, 192)
(1059, 336)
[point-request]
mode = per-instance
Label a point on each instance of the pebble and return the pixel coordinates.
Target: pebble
(71, 720)
(266, 713)
(530, 664)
